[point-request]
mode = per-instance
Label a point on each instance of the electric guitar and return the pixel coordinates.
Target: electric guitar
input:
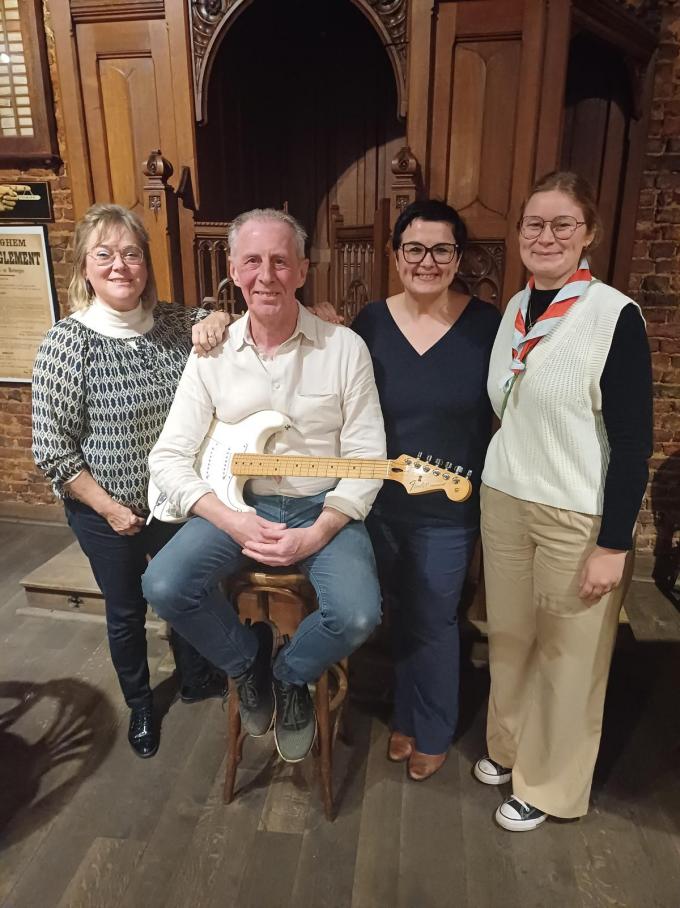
(231, 454)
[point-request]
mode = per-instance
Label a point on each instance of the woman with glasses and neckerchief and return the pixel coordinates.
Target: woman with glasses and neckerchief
(430, 346)
(103, 382)
(570, 378)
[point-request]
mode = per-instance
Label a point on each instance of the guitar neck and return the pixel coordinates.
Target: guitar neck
(291, 465)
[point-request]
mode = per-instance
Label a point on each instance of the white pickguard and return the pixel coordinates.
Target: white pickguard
(213, 461)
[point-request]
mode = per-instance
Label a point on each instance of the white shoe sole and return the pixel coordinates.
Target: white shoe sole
(518, 825)
(297, 759)
(488, 778)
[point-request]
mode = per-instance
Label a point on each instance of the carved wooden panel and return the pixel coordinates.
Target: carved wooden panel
(481, 271)
(125, 74)
(483, 111)
(485, 119)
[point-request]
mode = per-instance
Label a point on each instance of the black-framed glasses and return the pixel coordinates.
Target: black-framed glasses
(104, 256)
(442, 253)
(563, 226)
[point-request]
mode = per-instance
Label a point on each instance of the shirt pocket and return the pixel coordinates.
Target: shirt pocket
(316, 413)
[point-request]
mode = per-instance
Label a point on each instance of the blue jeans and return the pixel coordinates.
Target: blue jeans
(118, 563)
(423, 569)
(182, 583)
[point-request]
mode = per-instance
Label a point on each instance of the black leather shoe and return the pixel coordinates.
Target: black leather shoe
(142, 733)
(212, 685)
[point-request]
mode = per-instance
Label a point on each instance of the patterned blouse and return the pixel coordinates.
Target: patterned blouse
(99, 403)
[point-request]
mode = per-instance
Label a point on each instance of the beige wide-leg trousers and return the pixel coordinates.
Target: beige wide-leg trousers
(549, 652)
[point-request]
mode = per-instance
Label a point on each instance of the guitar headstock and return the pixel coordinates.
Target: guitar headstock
(420, 476)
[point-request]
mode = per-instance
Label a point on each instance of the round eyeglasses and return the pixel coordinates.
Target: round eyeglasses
(442, 253)
(103, 256)
(563, 226)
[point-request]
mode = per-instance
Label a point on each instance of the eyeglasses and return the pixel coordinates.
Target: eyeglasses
(562, 227)
(442, 253)
(103, 256)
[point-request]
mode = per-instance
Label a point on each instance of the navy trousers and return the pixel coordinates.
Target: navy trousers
(422, 570)
(118, 563)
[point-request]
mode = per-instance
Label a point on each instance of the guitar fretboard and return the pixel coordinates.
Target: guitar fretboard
(291, 465)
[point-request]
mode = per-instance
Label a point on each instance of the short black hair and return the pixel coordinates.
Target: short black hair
(430, 210)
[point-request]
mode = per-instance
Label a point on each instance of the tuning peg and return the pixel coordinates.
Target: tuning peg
(448, 465)
(419, 456)
(438, 462)
(428, 458)
(468, 474)
(458, 470)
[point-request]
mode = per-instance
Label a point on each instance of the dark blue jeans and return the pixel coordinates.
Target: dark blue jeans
(182, 584)
(118, 563)
(423, 569)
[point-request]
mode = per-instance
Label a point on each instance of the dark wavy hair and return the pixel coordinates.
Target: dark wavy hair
(430, 210)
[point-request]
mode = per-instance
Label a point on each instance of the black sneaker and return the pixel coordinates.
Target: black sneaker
(295, 726)
(489, 772)
(211, 685)
(516, 815)
(143, 732)
(254, 686)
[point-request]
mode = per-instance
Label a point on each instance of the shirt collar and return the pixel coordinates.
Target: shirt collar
(307, 325)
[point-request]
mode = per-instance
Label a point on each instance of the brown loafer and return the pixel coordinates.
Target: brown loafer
(400, 747)
(422, 766)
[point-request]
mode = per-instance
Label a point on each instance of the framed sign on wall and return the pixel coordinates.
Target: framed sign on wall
(27, 127)
(28, 302)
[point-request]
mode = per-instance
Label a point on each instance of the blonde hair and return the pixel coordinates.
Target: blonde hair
(579, 190)
(96, 222)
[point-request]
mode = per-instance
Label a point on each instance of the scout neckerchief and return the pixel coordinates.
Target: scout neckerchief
(523, 341)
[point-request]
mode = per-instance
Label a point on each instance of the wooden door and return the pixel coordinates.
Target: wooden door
(130, 94)
(486, 99)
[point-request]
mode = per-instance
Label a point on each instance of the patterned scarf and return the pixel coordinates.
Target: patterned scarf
(523, 341)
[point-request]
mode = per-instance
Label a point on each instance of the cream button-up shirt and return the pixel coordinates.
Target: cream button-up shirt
(321, 378)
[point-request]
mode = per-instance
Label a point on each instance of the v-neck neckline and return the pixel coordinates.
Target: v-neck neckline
(437, 342)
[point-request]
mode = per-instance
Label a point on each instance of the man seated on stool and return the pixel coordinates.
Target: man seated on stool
(279, 357)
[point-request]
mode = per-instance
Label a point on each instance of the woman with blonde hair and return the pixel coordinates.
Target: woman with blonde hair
(103, 382)
(570, 378)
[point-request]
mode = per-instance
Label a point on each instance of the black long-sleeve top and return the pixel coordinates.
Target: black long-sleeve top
(626, 386)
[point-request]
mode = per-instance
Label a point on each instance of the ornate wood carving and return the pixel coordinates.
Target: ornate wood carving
(161, 221)
(209, 18)
(481, 270)
(116, 10)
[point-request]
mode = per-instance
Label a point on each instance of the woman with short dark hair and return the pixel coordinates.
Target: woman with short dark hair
(430, 346)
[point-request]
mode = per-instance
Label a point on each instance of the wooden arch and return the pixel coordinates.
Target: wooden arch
(211, 19)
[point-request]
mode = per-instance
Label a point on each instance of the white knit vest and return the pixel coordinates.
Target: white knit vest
(552, 446)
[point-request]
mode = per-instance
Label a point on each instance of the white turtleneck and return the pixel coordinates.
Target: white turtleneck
(104, 319)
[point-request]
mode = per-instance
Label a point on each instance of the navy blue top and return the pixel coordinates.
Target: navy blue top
(435, 403)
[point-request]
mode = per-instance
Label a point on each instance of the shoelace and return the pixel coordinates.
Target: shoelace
(294, 713)
(247, 691)
(524, 804)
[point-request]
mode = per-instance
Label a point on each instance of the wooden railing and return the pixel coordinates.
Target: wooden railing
(216, 289)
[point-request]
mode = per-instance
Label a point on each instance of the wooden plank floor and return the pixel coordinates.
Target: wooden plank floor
(85, 823)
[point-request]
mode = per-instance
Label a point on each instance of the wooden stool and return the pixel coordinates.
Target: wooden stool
(294, 598)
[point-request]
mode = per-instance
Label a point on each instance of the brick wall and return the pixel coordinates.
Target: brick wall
(655, 284)
(22, 489)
